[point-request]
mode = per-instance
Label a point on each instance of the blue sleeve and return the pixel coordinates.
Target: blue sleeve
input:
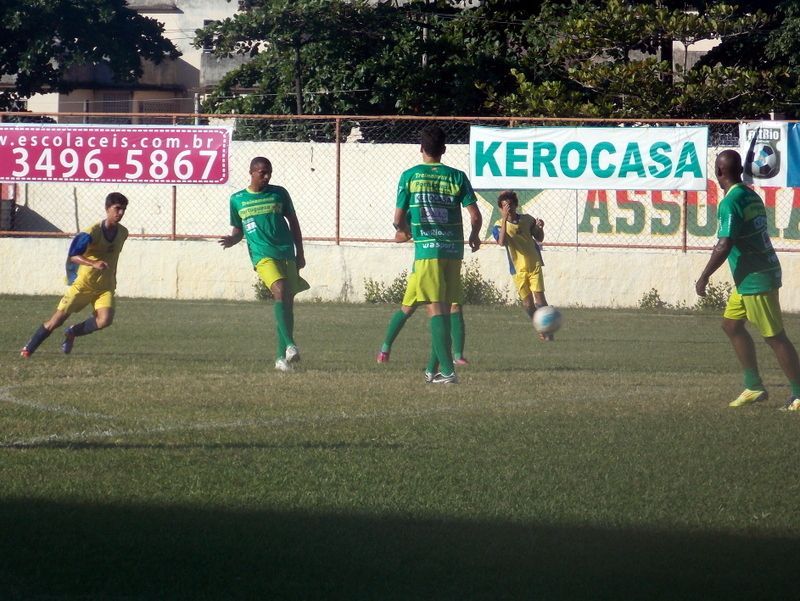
(79, 244)
(496, 232)
(77, 247)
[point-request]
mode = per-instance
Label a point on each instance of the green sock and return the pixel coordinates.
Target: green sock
(288, 313)
(440, 336)
(433, 362)
(396, 324)
(280, 328)
(457, 334)
(795, 388)
(752, 380)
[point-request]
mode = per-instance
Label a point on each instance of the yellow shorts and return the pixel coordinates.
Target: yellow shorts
(272, 270)
(528, 282)
(74, 300)
(410, 297)
(438, 281)
(762, 310)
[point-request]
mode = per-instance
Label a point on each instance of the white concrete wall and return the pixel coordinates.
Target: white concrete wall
(202, 270)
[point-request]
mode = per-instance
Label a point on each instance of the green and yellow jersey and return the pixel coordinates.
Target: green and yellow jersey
(433, 195)
(262, 218)
(96, 244)
(752, 260)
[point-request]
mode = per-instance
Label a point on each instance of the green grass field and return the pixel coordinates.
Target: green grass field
(165, 459)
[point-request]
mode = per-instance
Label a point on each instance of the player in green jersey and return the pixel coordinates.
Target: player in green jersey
(263, 214)
(432, 194)
(743, 240)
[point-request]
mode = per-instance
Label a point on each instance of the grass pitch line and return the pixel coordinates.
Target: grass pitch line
(89, 436)
(7, 397)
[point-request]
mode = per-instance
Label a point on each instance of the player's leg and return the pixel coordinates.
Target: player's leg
(539, 301)
(102, 317)
(522, 286)
(272, 275)
(458, 334)
(535, 283)
(733, 324)
(396, 323)
(432, 289)
(399, 317)
(281, 308)
(294, 284)
(43, 332)
(786, 354)
(764, 311)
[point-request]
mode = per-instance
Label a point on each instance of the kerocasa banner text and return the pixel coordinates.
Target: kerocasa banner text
(589, 158)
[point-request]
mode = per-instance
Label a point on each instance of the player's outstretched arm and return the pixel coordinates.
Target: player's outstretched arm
(232, 240)
(81, 260)
(476, 221)
(297, 235)
(718, 256)
(402, 232)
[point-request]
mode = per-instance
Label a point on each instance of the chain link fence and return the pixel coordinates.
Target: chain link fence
(342, 173)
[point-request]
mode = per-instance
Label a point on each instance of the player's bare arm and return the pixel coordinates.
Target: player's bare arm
(81, 260)
(294, 227)
(232, 240)
(476, 221)
(402, 233)
(537, 230)
(718, 256)
(504, 213)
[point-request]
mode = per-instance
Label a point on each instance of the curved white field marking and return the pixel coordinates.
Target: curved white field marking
(7, 397)
(85, 436)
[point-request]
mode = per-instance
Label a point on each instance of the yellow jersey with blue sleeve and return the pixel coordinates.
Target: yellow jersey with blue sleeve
(95, 243)
(521, 247)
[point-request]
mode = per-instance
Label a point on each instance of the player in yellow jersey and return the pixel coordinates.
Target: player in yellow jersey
(92, 275)
(521, 235)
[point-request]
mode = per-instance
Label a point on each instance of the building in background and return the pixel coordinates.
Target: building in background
(174, 86)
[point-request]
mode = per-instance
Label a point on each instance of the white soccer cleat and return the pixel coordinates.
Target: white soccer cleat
(283, 365)
(440, 378)
(292, 354)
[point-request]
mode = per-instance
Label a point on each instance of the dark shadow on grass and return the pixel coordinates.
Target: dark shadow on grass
(57, 551)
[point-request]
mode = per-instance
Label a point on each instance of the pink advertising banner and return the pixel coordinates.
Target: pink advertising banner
(129, 154)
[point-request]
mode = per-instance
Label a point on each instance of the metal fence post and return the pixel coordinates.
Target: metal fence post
(338, 179)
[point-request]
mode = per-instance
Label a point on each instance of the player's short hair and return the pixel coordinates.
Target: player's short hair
(508, 196)
(261, 161)
(433, 140)
(116, 198)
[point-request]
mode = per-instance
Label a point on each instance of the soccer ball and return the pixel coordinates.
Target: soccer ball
(547, 319)
(765, 162)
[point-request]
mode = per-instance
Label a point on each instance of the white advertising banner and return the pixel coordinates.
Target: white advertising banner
(764, 146)
(589, 158)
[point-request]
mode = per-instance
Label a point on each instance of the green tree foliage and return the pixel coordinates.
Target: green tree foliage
(43, 39)
(602, 60)
(359, 57)
(593, 58)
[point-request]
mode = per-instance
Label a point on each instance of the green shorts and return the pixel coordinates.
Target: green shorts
(762, 310)
(272, 270)
(438, 281)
